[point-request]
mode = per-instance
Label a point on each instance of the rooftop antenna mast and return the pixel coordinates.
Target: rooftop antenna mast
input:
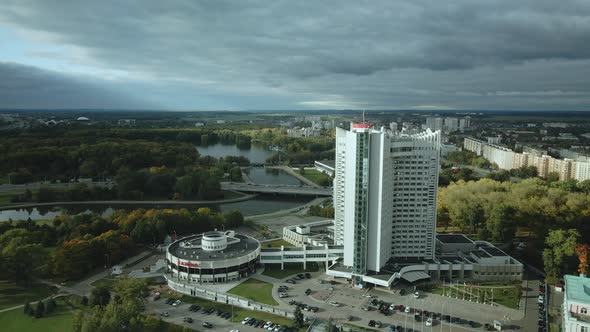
(364, 117)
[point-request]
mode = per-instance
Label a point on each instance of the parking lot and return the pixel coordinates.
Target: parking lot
(177, 315)
(352, 301)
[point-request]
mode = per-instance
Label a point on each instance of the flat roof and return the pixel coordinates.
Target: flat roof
(577, 288)
(494, 251)
(453, 238)
(481, 254)
(244, 247)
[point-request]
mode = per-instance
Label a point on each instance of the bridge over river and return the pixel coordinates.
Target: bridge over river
(276, 189)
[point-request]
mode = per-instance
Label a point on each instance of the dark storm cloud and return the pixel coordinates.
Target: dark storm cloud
(30, 87)
(380, 54)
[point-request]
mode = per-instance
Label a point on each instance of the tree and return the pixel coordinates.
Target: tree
(583, 252)
(560, 244)
(235, 174)
(27, 310)
(552, 177)
(39, 310)
(501, 223)
(233, 219)
(298, 318)
(84, 300)
(100, 296)
(50, 306)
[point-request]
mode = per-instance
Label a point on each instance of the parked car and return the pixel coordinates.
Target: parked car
(246, 320)
(156, 296)
(334, 303)
(349, 318)
(207, 325)
(416, 295)
(407, 310)
(187, 320)
(308, 275)
(283, 295)
(165, 314)
(428, 322)
(307, 291)
(371, 323)
(541, 299)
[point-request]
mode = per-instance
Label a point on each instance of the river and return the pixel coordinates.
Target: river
(258, 205)
(256, 153)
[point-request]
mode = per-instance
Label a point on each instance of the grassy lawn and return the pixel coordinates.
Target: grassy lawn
(276, 244)
(240, 313)
(255, 290)
(5, 199)
(274, 270)
(12, 295)
(317, 177)
(505, 294)
(58, 321)
(107, 282)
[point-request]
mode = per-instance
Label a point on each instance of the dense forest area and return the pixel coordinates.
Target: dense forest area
(72, 246)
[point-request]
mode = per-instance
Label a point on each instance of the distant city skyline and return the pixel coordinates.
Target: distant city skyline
(256, 55)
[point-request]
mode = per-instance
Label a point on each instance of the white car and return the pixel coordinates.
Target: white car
(176, 304)
(234, 330)
(429, 322)
(334, 303)
(416, 295)
(407, 310)
(283, 295)
(267, 325)
(367, 295)
(541, 299)
(246, 320)
(277, 328)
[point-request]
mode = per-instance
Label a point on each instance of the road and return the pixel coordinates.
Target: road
(15, 188)
(277, 189)
(125, 202)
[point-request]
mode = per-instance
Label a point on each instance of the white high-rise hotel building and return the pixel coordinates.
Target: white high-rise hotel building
(385, 196)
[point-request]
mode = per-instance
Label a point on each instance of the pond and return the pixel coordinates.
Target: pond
(258, 205)
(256, 153)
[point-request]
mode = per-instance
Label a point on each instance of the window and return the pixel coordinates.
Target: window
(584, 311)
(584, 329)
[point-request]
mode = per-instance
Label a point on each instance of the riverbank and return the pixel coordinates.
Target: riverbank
(295, 174)
(126, 202)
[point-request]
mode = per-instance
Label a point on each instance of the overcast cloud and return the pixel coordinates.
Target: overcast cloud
(296, 54)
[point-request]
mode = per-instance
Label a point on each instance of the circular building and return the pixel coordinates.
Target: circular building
(212, 257)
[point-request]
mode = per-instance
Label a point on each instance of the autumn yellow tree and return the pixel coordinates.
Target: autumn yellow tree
(583, 252)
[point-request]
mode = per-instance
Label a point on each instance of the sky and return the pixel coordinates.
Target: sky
(274, 55)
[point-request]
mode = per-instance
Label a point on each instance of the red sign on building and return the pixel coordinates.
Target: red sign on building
(189, 264)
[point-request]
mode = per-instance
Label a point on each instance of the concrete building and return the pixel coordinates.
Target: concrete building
(126, 122)
(303, 132)
(451, 124)
(212, 257)
(576, 304)
(465, 123)
(385, 196)
(434, 124)
(494, 140)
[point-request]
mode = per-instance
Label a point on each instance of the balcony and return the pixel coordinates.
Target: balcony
(580, 317)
